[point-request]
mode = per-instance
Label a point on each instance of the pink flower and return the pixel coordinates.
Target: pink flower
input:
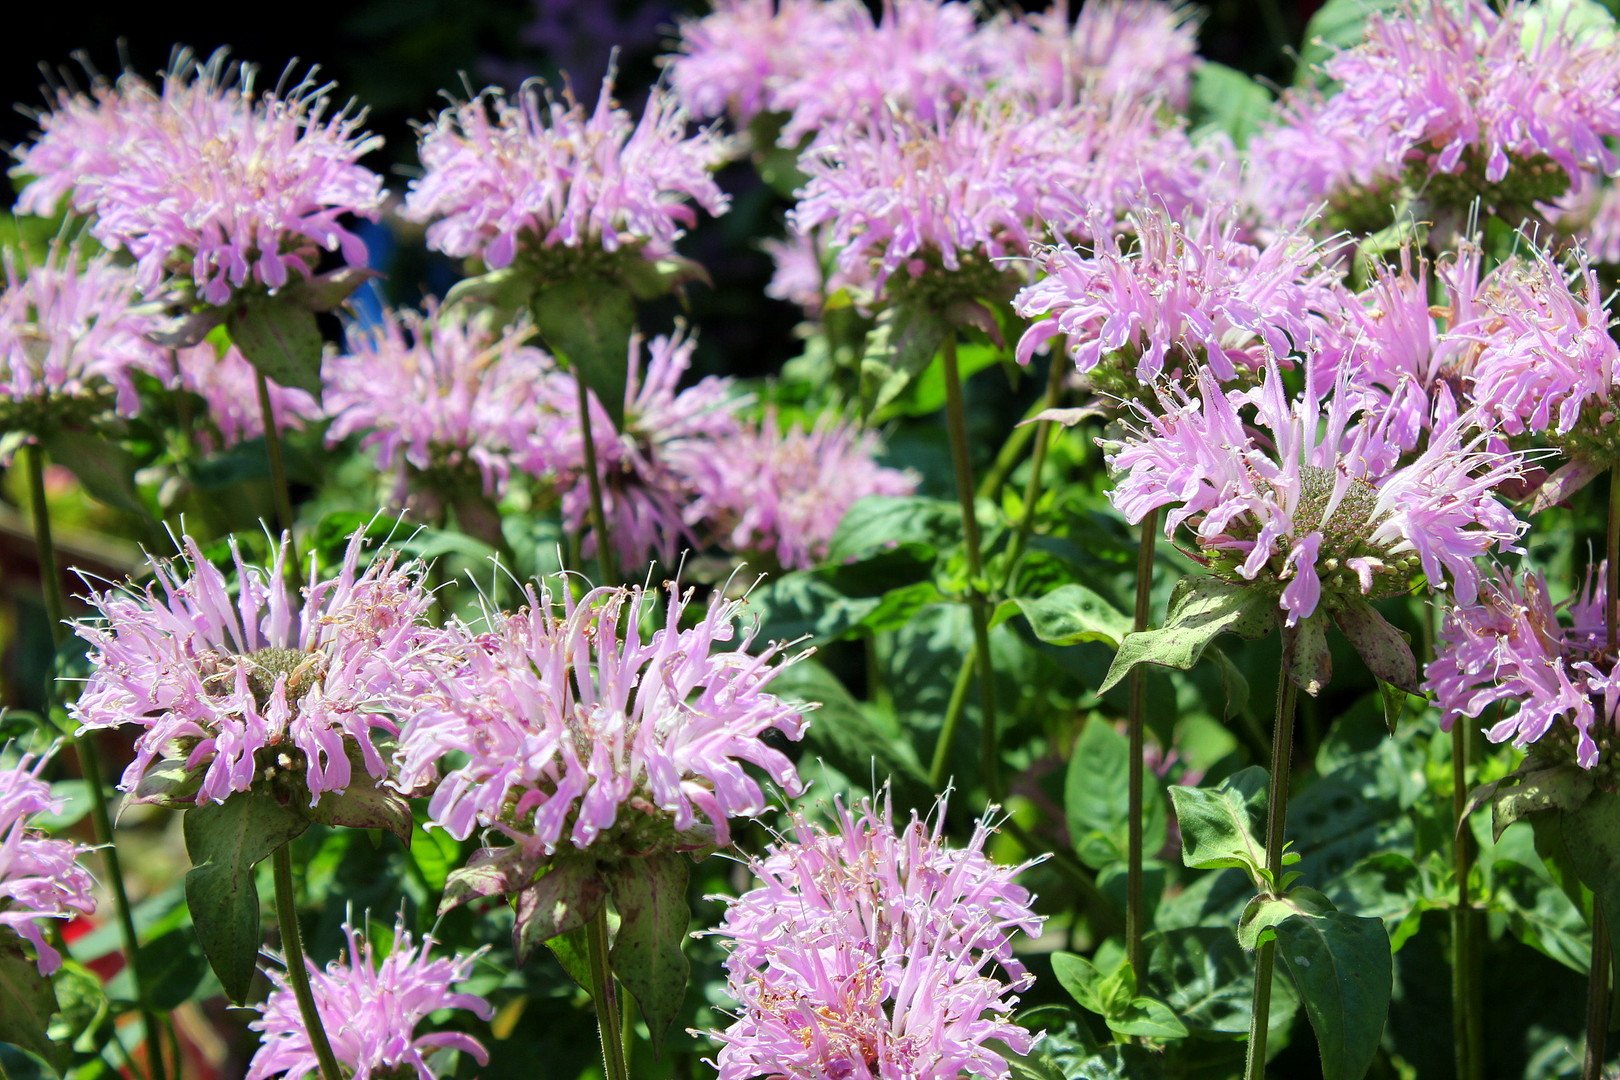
(662, 472)
(1508, 647)
(1310, 156)
(786, 492)
(533, 172)
(228, 385)
(72, 339)
(867, 952)
(40, 877)
(1125, 51)
(440, 390)
(578, 727)
(370, 1012)
(1310, 497)
(242, 686)
(1174, 294)
(208, 178)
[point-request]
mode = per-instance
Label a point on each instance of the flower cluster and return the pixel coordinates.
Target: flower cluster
(370, 1012)
(1555, 682)
(40, 877)
(786, 492)
(869, 952)
(1312, 497)
(244, 686)
(574, 727)
(72, 338)
(1173, 295)
(534, 172)
(440, 391)
(206, 177)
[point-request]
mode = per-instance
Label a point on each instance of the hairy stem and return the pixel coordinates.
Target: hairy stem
(978, 603)
(606, 563)
(50, 582)
(1465, 1002)
(602, 995)
(1597, 982)
(1282, 756)
(1135, 950)
(292, 946)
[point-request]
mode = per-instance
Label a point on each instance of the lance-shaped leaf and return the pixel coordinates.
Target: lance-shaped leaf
(279, 337)
(650, 895)
(1261, 916)
(366, 807)
(1147, 1018)
(1565, 481)
(226, 841)
(1589, 838)
(489, 872)
(1384, 648)
(26, 1003)
(587, 322)
(899, 349)
(1340, 966)
(1069, 615)
(565, 898)
(1218, 826)
(1529, 791)
(1312, 664)
(329, 291)
(1201, 609)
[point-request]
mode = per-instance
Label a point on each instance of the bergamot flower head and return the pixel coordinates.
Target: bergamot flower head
(41, 878)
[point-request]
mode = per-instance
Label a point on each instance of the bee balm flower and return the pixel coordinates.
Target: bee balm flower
(40, 877)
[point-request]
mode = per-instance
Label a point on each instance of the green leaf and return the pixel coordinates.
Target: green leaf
(82, 1006)
(502, 871)
(1148, 1018)
(280, 338)
(1205, 976)
(1340, 966)
(436, 853)
(1337, 24)
(588, 322)
(573, 953)
(226, 841)
(1069, 615)
(1224, 99)
(1201, 609)
(1260, 917)
(102, 465)
(857, 738)
(1532, 791)
(1590, 839)
(650, 895)
(1218, 826)
(565, 898)
(1096, 798)
(26, 1003)
(899, 349)
(882, 523)
(1312, 666)
(1080, 978)
(172, 967)
(1382, 647)
(364, 806)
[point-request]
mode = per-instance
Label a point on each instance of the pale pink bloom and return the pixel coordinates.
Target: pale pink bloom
(40, 877)
(875, 953)
(206, 177)
(572, 726)
(238, 685)
(371, 1012)
(508, 174)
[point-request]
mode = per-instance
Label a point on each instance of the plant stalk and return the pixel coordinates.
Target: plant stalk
(978, 603)
(89, 759)
(1465, 1001)
(292, 946)
(1135, 950)
(1037, 465)
(278, 478)
(606, 561)
(607, 1019)
(1597, 981)
(1282, 756)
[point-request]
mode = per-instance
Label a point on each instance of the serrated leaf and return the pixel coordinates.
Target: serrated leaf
(489, 872)
(588, 323)
(1382, 646)
(280, 338)
(26, 1003)
(650, 896)
(1218, 826)
(226, 841)
(362, 806)
(1148, 1018)
(1069, 615)
(1341, 968)
(565, 898)
(1201, 609)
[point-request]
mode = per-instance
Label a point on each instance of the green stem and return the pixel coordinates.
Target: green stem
(1465, 1002)
(953, 717)
(607, 1020)
(1135, 949)
(978, 603)
(1037, 464)
(1597, 981)
(606, 563)
(1282, 757)
(50, 581)
(278, 478)
(292, 946)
